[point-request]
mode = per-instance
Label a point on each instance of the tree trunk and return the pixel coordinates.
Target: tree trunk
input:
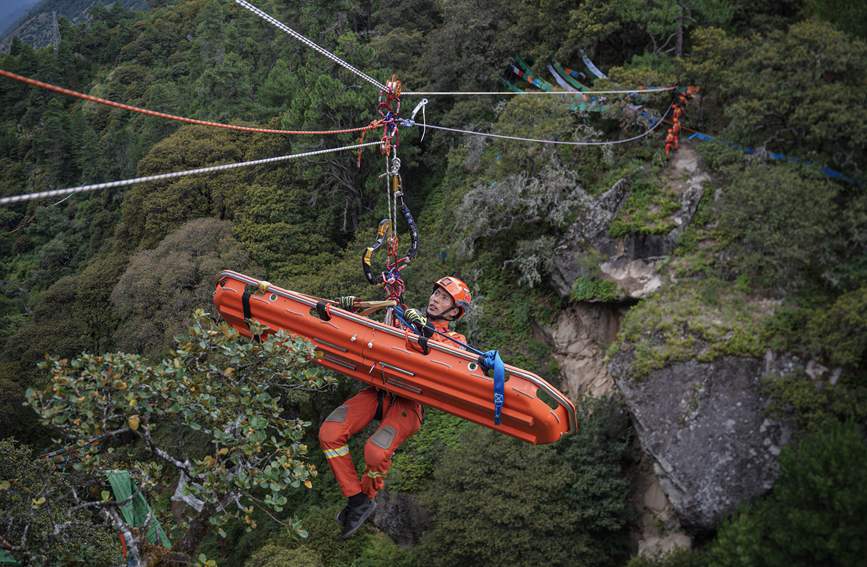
(678, 49)
(195, 533)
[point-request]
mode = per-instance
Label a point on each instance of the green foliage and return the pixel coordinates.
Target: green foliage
(227, 393)
(647, 210)
(417, 459)
(844, 15)
(839, 333)
(812, 405)
(679, 558)
(594, 289)
(569, 500)
(700, 320)
(816, 512)
(272, 555)
(175, 277)
(793, 91)
(39, 514)
(779, 226)
(325, 542)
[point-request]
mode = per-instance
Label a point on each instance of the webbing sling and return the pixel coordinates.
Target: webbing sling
(491, 359)
(245, 302)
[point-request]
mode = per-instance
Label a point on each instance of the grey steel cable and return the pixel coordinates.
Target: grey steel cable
(164, 176)
(405, 122)
(280, 25)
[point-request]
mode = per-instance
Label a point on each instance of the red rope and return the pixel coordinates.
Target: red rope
(97, 100)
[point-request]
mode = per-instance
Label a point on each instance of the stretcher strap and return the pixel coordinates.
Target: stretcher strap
(491, 359)
(245, 302)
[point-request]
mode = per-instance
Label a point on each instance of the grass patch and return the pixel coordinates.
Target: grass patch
(701, 320)
(594, 289)
(648, 209)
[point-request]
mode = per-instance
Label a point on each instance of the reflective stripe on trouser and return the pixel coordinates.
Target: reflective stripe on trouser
(401, 418)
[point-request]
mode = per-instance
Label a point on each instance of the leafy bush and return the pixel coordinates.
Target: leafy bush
(175, 277)
(594, 289)
(272, 555)
(779, 226)
(225, 394)
(839, 333)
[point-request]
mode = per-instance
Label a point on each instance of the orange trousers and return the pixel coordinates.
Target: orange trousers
(400, 419)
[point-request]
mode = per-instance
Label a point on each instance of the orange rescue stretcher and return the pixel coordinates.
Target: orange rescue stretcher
(392, 359)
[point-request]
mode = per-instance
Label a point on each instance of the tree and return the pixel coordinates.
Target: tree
(212, 416)
(816, 513)
(565, 504)
(796, 91)
(172, 279)
(42, 519)
(779, 225)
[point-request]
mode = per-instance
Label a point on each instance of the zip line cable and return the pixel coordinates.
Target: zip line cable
(530, 93)
(145, 111)
(405, 122)
(280, 25)
(164, 176)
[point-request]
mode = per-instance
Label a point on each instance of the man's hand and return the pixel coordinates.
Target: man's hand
(414, 317)
(420, 322)
(346, 301)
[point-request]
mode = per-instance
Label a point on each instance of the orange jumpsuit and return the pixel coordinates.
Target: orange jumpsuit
(401, 418)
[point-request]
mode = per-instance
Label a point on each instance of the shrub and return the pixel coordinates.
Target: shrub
(816, 513)
(562, 504)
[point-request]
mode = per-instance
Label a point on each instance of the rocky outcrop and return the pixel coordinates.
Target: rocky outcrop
(578, 341)
(658, 531)
(630, 261)
(705, 425)
(401, 517)
(41, 30)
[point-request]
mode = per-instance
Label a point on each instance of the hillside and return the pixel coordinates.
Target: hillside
(11, 12)
(703, 305)
(36, 23)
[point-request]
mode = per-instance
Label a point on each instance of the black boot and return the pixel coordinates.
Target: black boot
(352, 517)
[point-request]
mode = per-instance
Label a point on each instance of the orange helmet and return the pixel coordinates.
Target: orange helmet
(458, 291)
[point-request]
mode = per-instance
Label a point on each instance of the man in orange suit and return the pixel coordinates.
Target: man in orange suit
(399, 417)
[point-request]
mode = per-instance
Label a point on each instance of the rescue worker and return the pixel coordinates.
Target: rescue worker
(399, 417)
(670, 142)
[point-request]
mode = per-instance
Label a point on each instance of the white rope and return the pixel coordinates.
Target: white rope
(280, 25)
(482, 93)
(164, 176)
(543, 141)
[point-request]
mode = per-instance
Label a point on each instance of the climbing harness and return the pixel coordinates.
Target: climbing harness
(386, 234)
(390, 279)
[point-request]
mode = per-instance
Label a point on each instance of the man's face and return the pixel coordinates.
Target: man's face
(441, 304)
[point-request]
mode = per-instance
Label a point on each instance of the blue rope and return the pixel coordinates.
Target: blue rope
(488, 360)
